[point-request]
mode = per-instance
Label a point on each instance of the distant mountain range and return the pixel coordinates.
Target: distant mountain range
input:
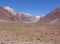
(7, 13)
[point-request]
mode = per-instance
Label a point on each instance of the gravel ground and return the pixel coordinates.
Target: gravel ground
(25, 43)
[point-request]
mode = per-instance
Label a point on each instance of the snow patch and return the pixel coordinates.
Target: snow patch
(10, 10)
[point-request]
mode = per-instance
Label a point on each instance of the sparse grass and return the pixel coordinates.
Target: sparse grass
(29, 32)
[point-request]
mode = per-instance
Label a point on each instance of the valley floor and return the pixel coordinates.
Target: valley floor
(18, 32)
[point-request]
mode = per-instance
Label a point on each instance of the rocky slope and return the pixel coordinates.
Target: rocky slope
(5, 15)
(53, 15)
(20, 16)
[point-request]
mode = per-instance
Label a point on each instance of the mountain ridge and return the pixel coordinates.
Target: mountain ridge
(54, 14)
(21, 17)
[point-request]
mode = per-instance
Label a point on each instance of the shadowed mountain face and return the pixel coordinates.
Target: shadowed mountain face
(8, 13)
(52, 16)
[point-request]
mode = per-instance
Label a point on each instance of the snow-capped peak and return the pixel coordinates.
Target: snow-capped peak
(10, 10)
(26, 13)
(6, 7)
(37, 16)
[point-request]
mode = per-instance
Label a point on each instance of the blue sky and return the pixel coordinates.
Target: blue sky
(34, 7)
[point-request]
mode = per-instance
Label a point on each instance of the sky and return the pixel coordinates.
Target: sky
(34, 7)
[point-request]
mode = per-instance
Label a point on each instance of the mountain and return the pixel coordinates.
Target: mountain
(53, 16)
(7, 13)
(10, 10)
(55, 21)
(27, 18)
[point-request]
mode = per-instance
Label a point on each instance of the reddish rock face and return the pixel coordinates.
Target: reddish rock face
(55, 14)
(5, 15)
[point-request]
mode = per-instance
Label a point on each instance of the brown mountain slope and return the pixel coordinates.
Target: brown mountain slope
(55, 14)
(5, 15)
